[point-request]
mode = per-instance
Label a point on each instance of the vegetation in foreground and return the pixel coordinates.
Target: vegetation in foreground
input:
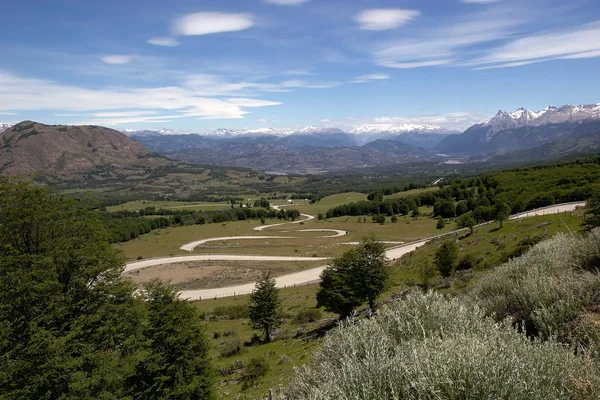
(71, 327)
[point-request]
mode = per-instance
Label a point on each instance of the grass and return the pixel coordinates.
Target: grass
(413, 192)
(173, 205)
(488, 242)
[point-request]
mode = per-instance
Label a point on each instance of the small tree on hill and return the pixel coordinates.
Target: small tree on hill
(359, 275)
(466, 221)
(445, 258)
(441, 224)
(501, 211)
(264, 306)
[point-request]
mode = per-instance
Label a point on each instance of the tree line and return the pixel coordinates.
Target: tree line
(128, 225)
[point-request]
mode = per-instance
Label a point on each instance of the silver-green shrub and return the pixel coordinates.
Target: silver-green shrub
(430, 347)
(548, 288)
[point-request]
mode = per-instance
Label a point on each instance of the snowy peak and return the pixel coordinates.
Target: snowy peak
(549, 115)
(397, 129)
(315, 130)
(4, 126)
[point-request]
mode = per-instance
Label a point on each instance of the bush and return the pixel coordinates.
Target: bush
(232, 312)
(429, 347)
(468, 261)
(307, 315)
(256, 368)
(232, 348)
(547, 289)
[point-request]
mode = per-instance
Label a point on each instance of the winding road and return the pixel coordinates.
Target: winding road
(302, 277)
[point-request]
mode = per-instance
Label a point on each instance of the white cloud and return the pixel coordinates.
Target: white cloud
(18, 93)
(576, 43)
(117, 59)
(204, 23)
(449, 43)
(371, 77)
(326, 121)
(163, 41)
(8, 113)
(286, 2)
(381, 19)
(263, 120)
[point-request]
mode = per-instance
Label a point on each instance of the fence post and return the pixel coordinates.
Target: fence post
(270, 394)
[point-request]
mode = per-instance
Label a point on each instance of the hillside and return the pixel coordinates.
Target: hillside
(67, 151)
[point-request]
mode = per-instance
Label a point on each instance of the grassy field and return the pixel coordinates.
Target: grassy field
(166, 242)
(292, 346)
(413, 192)
(173, 205)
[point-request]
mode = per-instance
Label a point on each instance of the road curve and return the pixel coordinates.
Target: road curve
(312, 274)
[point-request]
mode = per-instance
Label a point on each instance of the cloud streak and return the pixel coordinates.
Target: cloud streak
(204, 23)
(286, 2)
(164, 41)
(381, 19)
(117, 59)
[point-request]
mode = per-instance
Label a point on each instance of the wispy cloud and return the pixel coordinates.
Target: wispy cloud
(117, 59)
(381, 19)
(35, 94)
(163, 41)
(371, 77)
(286, 2)
(204, 23)
(582, 42)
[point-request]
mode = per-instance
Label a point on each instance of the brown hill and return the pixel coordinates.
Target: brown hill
(65, 151)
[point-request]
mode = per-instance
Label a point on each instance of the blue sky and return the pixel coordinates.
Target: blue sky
(203, 64)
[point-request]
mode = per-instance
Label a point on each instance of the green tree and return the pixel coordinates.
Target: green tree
(359, 275)
(445, 258)
(466, 221)
(441, 224)
(70, 326)
(593, 213)
(501, 212)
(394, 219)
(264, 306)
(177, 366)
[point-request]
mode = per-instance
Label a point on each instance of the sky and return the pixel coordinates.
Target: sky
(199, 65)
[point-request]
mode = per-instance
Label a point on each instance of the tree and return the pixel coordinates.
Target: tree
(264, 306)
(178, 364)
(445, 258)
(501, 211)
(445, 208)
(466, 221)
(440, 223)
(461, 208)
(593, 213)
(394, 219)
(359, 275)
(70, 325)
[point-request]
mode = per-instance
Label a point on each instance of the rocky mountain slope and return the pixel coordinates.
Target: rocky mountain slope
(524, 129)
(66, 151)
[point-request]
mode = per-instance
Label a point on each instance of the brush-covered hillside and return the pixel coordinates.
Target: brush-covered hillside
(66, 152)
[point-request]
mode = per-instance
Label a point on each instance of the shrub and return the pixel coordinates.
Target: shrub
(307, 315)
(256, 368)
(468, 261)
(429, 347)
(233, 312)
(232, 348)
(547, 289)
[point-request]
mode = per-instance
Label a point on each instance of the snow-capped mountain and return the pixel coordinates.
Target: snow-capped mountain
(523, 128)
(396, 129)
(549, 115)
(316, 130)
(4, 126)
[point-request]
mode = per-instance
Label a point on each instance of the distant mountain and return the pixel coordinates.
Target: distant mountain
(559, 149)
(4, 126)
(524, 129)
(414, 134)
(421, 139)
(66, 151)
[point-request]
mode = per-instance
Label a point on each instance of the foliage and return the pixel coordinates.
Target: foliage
(256, 368)
(502, 211)
(441, 224)
(359, 275)
(430, 347)
(264, 306)
(177, 366)
(593, 213)
(466, 221)
(70, 326)
(307, 315)
(445, 258)
(548, 289)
